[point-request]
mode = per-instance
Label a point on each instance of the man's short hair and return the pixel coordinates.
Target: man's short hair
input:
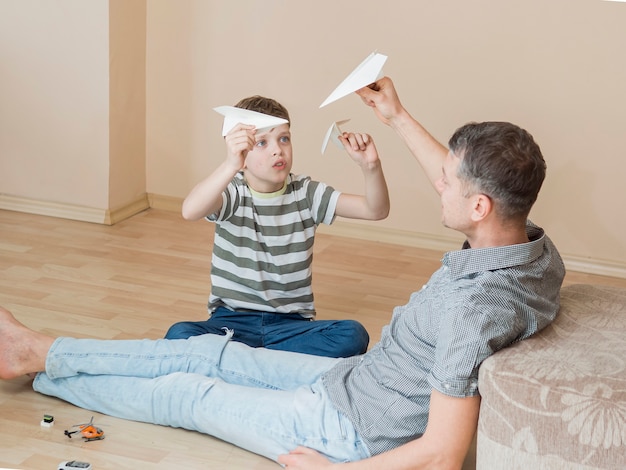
(503, 161)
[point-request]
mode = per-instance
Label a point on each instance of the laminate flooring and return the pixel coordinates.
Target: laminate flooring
(133, 280)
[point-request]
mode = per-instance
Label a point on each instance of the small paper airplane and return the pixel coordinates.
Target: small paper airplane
(333, 134)
(233, 116)
(366, 73)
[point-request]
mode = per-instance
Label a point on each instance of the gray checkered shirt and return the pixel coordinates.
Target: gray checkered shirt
(479, 301)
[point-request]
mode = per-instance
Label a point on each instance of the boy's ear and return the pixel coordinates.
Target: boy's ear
(482, 207)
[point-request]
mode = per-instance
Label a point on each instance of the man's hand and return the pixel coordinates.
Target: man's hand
(303, 458)
(382, 96)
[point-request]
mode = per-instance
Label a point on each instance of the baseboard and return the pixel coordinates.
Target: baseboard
(340, 228)
(372, 232)
(594, 266)
(166, 203)
(117, 215)
(74, 211)
(377, 233)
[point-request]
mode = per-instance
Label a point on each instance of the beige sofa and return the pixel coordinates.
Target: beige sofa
(558, 399)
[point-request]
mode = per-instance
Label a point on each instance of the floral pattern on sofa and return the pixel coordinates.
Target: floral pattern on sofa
(558, 399)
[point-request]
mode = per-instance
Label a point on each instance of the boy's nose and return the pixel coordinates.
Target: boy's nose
(276, 149)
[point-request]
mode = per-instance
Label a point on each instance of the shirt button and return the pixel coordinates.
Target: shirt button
(446, 386)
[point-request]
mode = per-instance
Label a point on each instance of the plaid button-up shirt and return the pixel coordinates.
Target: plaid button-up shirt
(478, 302)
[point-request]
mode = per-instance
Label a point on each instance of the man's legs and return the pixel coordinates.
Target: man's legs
(265, 401)
(207, 355)
(268, 422)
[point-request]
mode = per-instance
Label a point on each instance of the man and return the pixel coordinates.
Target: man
(411, 401)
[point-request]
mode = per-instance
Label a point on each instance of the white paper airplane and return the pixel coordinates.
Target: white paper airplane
(365, 74)
(333, 134)
(233, 116)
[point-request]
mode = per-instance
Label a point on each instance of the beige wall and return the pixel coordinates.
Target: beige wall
(54, 101)
(72, 116)
(555, 67)
(127, 102)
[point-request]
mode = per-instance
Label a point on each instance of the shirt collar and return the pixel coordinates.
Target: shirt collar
(259, 195)
(473, 260)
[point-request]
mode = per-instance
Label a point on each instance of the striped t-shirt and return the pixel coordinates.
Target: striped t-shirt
(263, 246)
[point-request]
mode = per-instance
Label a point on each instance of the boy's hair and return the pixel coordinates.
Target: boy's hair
(264, 105)
(503, 161)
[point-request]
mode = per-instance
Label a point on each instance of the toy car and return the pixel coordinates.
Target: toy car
(74, 464)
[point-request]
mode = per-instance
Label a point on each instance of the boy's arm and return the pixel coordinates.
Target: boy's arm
(374, 204)
(206, 197)
(451, 426)
(382, 96)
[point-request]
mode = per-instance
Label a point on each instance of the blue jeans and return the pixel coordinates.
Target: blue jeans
(264, 401)
(281, 331)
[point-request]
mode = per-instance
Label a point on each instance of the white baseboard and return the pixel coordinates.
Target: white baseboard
(594, 266)
(340, 228)
(74, 211)
(374, 232)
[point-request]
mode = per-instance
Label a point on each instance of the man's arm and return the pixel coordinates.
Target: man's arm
(427, 150)
(451, 426)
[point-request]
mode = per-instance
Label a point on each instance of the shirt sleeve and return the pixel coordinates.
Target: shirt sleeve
(322, 200)
(230, 202)
(475, 324)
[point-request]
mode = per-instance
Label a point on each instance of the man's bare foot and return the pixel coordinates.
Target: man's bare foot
(22, 351)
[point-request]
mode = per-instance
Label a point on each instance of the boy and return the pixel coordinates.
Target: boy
(266, 218)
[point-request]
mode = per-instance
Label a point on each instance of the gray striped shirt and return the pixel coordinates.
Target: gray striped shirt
(263, 246)
(479, 301)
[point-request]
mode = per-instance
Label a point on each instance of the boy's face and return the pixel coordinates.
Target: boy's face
(268, 164)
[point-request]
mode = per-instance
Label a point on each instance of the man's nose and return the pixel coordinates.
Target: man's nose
(439, 185)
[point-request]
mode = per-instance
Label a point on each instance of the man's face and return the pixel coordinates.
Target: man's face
(456, 205)
(268, 164)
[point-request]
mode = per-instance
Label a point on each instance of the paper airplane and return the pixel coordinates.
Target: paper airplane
(365, 74)
(233, 116)
(333, 134)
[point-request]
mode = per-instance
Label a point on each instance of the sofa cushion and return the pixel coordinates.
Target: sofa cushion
(558, 399)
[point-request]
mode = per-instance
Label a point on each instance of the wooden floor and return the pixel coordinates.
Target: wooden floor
(133, 280)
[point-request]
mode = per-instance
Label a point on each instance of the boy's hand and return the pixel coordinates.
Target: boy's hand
(239, 141)
(361, 149)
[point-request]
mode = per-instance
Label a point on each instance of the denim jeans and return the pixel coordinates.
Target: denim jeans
(282, 331)
(262, 400)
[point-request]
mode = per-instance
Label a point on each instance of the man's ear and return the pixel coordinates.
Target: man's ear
(482, 207)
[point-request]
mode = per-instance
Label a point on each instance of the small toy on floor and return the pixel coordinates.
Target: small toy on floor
(74, 464)
(89, 431)
(47, 421)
